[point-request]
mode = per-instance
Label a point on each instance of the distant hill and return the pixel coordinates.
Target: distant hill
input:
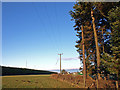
(22, 71)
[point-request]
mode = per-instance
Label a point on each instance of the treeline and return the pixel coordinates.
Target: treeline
(97, 25)
(22, 71)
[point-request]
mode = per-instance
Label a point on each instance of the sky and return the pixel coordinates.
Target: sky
(36, 32)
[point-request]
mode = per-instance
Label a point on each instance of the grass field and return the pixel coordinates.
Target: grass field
(33, 81)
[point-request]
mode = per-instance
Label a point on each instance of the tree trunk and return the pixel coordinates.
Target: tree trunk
(117, 85)
(104, 77)
(103, 40)
(84, 66)
(97, 47)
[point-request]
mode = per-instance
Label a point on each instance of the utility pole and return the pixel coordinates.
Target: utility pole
(60, 61)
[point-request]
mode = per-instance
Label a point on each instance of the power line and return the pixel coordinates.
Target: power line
(49, 18)
(56, 62)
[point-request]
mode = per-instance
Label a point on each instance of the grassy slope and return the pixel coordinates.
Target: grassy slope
(22, 71)
(33, 81)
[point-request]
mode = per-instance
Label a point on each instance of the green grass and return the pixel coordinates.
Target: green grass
(33, 81)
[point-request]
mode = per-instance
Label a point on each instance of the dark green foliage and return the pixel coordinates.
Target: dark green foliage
(81, 15)
(22, 71)
(107, 22)
(64, 71)
(112, 60)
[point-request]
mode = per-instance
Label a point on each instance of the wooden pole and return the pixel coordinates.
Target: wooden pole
(60, 61)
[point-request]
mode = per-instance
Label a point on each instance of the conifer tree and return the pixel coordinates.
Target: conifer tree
(79, 14)
(112, 61)
(82, 15)
(96, 35)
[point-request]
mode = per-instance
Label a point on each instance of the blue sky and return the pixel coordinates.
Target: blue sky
(36, 32)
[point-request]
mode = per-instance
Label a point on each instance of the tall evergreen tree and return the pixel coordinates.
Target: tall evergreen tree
(79, 15)
(112, 61)
(93, 31)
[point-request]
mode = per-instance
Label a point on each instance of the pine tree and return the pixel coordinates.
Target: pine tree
(79, 15)
(93, 30)
(112, 61)
(82, 15)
